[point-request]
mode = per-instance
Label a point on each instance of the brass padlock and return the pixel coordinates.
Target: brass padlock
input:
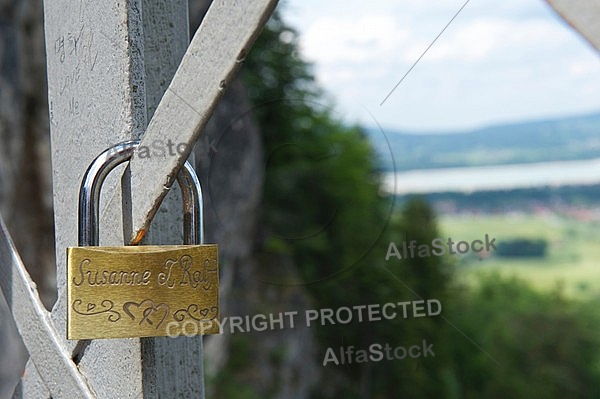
(140, 291)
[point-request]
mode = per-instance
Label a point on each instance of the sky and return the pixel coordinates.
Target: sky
(498, 62)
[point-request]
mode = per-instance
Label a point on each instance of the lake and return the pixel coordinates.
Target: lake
(501, 177)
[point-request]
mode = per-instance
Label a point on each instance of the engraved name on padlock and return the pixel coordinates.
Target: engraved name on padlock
(139, 291)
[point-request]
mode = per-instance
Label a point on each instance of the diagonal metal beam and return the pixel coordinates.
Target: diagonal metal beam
(44, 344)
(219, 46)
(582, 15)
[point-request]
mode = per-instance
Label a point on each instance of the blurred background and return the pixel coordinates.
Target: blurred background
(494, 132)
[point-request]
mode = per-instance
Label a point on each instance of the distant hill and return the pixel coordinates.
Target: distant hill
(572, 138)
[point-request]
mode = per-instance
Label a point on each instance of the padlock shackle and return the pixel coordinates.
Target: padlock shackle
(89, 195)
(191, 193)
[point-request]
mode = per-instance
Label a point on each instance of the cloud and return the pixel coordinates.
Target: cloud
(482, 38)
(498, 61)
(371, 43)
(371, 37)
(584, 67)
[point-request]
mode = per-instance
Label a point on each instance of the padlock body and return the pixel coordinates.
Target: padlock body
(142, 291)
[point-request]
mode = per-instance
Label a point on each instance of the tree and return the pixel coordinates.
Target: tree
(324, 212)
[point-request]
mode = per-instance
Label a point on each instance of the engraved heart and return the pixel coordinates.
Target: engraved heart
(147, 311)
(91, 306)
(194, 311)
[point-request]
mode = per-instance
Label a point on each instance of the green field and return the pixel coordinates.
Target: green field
(573, 259)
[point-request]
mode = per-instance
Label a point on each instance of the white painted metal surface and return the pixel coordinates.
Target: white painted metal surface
(96, 99)
(46, 347)
(102, 90)
(583, 16)
(170, 367)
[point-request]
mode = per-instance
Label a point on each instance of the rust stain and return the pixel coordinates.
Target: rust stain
(139, 237)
